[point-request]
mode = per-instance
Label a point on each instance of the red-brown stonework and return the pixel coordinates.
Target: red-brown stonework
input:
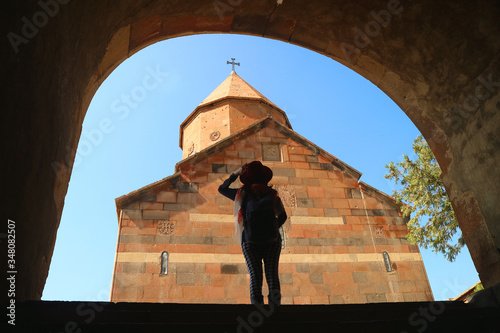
(333, 240)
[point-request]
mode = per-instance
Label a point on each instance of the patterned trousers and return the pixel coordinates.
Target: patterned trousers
(254, 255)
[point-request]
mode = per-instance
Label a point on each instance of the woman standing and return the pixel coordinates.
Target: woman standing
(259, 213)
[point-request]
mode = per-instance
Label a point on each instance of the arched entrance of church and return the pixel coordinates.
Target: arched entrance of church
(442, 70)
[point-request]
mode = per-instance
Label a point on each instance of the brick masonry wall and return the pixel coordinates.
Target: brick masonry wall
(226, 117)
(335, 234)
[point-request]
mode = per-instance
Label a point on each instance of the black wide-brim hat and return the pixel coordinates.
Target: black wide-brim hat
(255, 173)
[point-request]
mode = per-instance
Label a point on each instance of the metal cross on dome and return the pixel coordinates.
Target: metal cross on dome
(233, 63)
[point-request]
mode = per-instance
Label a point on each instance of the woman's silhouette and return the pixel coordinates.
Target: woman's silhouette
(259, 213)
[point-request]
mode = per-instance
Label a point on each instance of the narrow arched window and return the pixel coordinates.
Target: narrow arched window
(283, 237)
(387, 261)
(164, 263)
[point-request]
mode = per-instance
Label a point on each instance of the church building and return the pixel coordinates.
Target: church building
(344, 241)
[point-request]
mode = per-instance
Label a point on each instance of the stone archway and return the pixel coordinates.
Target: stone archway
(438, 62)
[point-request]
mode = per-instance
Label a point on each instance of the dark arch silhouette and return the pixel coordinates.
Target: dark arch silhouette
(438, 61)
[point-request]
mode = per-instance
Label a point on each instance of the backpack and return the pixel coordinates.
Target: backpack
(260, 224)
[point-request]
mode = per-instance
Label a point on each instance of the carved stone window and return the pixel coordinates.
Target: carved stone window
(271, 152)
(166, 227)
(287, 194)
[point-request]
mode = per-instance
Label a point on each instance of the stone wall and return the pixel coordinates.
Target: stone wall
(335, 234)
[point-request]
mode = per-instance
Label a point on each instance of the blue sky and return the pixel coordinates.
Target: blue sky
(130, 138)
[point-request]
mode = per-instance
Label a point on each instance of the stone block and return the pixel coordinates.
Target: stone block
(246, 154)
(382, 288)
(303, 268)
(301, 300)
(222, 200)
(139, 239)
(315, 191)
(375, 267)
(366, 288)
(314, 166)
(213, 268)
(219, 168)
(186, 279)
(415, 297)
(134, 267)
(336, 299)
(172, 206)
(316, 241)
(311, 158)
(128, 293)
(233, 269)
(161, 239)
(311, 182)
(332, 267)
(156, 215)
(185, 268)
(295, 181)
(304, 173)
(331, 212)
(222, 240)
(151, 205)
(285, 172)
(286, 279)
(187, 198)
(170, 197)
(307, 203)
(361, 212)
(297, 158)
(210, 292)
(148, 198)
(376, 298)
(232, 168)
(326, 166)
(302, 242)
(342, 204)
(359, 277)
(187, 187)
(132, 214)
(316, 278)
(354, 193)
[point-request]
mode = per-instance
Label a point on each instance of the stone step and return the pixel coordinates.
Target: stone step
(55, 316)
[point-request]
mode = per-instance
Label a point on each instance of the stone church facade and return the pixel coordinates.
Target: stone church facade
(344, 241)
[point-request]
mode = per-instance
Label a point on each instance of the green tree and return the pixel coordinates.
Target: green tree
(434, 224)
(478, 287)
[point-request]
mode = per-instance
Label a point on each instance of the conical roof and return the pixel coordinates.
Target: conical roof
(231, 107)
(234, 87)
